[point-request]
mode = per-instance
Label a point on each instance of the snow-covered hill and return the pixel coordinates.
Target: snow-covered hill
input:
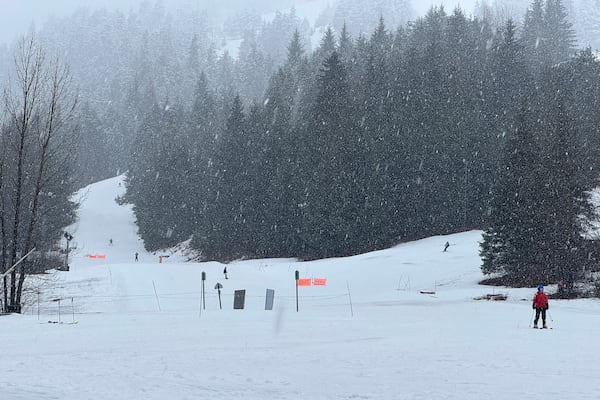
(369, 333)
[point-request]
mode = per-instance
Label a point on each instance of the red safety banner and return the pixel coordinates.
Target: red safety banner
(320, 281)
(304, 282)
(96, 255)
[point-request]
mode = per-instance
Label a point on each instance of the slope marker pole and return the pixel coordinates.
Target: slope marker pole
(156, 294)
(350, 299)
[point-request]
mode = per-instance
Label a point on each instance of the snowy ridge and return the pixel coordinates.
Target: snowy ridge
(368, 334)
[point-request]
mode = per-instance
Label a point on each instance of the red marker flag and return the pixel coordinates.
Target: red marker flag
(304, 282)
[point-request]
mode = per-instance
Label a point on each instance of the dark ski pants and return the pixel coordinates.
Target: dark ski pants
(539, 311)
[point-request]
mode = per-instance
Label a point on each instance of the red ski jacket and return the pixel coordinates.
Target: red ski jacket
(540, 300)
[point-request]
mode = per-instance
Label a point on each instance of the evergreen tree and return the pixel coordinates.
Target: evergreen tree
(277, 34)
(193, 60)
(506, 89)
(345, 47)
(93, 164)
(225, 79)
(157, 178)
(281, 146)
(295, 50)
(203, 129)
(559, 34)
(327, 46)
(252, 70)
(511, 240)
(565, 198)
(226, 239)
(330, 165)
(585, 68)
(534, 29)
(380, 178)
(509, 78)
(548, 35)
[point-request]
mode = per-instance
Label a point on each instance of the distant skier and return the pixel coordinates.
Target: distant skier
(540, 305)
(446, 246)
(225, 272)
(136, 257)
(110, 242)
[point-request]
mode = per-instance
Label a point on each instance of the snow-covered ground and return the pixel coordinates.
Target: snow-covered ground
(370, 333)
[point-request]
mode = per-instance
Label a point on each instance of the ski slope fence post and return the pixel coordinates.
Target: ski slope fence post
(156, 294)
(350, 299)
(297, 278)
(58, 301)
(203, 292)
(218, 286)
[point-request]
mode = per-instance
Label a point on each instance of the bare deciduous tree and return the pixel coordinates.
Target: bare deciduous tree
(38, 104)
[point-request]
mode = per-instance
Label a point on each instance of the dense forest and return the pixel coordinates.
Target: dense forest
(435, 127)
(248, 137)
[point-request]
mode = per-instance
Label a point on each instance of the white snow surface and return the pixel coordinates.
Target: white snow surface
(140, 331)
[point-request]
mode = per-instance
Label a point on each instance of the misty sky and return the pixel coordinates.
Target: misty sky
(16, 17)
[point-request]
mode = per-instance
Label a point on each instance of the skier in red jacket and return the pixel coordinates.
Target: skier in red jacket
(540, 305)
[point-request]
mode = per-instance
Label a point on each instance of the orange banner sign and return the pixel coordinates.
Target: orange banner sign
(320, 281)
(304, 282)
(96, 255)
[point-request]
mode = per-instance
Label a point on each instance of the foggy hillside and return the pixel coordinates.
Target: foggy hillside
(320, 129)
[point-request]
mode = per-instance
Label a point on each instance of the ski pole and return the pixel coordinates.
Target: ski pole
(550, 315)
